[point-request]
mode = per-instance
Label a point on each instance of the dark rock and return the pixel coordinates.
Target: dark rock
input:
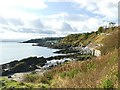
(9, 76)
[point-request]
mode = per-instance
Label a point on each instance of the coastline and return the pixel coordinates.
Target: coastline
(33, 63)
(66, 53)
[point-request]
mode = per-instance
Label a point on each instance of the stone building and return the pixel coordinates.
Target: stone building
(95, 52)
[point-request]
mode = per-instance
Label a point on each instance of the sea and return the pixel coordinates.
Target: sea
(10, 51)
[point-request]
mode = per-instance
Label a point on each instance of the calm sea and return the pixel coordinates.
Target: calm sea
(10, 51)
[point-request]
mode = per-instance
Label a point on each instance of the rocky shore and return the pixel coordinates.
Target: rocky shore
(33, 63)
(69, 53)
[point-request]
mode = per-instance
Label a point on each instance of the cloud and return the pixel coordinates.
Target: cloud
(106, 8)
(21, 8)
(18, 25)
(109, 9)
(36, 4)
(36, 23)
(58, 0)
(3, 20)
(15, 21)
(66, 16)
(65, 27)
(20, 18)
(17, 35)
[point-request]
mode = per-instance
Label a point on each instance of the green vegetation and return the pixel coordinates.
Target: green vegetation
(32, 78)
(100, 72)
(95, 72)
(37, 78)
(100, 30)
(11, 84)
(87, 38)
(76, 39)
(108, 84)
(69, 74)
(92, 73)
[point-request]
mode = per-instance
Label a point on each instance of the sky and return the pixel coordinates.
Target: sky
(27, 19)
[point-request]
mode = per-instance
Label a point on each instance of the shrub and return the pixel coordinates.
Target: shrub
(108, 84)
(100, 30)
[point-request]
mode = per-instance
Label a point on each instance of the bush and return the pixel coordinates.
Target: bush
(108, 84)
(100, 30)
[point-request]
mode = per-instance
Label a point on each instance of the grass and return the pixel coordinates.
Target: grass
(96, 72)
(7, 84)
(32, 78)
(92, 73)
(70, 74)
(35, 78)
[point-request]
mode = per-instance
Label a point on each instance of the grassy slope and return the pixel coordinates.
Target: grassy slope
(86, 38)
(98, 72)
(87, 74)
(79, 74)
(6, 83)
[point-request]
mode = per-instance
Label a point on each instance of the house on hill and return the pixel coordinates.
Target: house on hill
(95, 52)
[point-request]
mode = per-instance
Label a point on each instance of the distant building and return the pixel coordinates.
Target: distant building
(95, 52)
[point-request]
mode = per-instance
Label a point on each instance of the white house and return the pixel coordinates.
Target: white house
(95, 52)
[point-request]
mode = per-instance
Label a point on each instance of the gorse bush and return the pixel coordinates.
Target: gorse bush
(108, 84)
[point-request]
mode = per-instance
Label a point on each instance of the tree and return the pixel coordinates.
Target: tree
(100, 30)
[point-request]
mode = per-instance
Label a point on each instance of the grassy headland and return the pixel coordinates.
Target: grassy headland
(95, 72)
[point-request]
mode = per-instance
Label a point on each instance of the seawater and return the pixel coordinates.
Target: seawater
(10, 51)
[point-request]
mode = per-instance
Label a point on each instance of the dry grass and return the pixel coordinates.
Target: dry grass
(98, 72)
(92, 73)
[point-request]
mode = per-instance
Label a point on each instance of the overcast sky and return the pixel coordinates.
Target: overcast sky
(26, 19)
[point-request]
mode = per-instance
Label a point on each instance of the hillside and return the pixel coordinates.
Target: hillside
(98, 72)
(40, 40)
(86, 38)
